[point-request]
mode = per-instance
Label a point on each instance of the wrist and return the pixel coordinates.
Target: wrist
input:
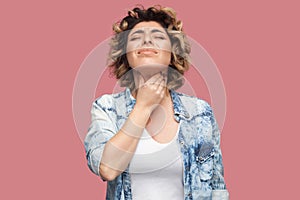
(140, 108)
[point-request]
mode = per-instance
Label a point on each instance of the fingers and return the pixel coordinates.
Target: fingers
(156, 79)
(161, 86)
(152, 91)
(156, 84)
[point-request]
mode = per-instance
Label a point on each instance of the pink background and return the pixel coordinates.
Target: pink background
(255, 45)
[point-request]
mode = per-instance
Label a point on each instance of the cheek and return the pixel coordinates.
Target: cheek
(166, 57)
(164, 45)
(131, 58)
(129, 48)
(132, 46)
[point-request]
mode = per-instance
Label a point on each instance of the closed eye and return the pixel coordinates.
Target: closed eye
(160, 37)
(135, 38)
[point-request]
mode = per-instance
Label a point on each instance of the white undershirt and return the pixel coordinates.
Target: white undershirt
(156, 170)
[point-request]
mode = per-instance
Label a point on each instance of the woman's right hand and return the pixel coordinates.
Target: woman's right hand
(150, 93)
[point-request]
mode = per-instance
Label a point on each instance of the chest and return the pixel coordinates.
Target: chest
(162, 126)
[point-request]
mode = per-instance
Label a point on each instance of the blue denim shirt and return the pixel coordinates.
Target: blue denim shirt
(198, 138)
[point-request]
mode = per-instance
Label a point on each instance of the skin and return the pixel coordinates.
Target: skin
(149, 55)
(148, 43)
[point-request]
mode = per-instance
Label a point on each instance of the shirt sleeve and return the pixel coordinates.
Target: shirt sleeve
(218, 184)
(100, 131)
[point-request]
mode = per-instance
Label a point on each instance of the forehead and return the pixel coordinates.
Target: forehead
(148, 25)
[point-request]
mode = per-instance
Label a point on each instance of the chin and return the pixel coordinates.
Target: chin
(149, 70)
(148, 61)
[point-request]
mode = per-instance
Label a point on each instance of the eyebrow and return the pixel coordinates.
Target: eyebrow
(152, 31)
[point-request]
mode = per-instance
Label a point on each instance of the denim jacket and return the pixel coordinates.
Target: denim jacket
(198, 138)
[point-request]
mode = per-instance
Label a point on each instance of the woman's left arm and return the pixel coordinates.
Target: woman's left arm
(218, 184)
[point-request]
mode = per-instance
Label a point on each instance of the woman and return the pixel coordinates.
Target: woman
(150, 142)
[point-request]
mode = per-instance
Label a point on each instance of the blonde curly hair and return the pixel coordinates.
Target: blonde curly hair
(166, 17)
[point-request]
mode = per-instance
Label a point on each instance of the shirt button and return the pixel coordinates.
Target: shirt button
(201, 159)
(182, 142)
(187, 115)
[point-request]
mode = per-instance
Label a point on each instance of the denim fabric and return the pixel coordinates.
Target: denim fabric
(198, 138)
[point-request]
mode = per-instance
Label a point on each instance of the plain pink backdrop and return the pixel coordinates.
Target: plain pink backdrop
(255, 45)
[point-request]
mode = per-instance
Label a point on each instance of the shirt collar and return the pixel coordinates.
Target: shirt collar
(130, 101)
(179, 109)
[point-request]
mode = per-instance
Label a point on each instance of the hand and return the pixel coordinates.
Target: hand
(151, 92)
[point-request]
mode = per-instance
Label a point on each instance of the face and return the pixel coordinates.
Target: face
(148, 44)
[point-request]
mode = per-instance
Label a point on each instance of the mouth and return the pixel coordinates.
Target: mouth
(147, 51)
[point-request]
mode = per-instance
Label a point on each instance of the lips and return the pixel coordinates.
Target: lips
(147, 51)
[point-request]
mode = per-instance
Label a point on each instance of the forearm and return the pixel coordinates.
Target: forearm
(119, 149)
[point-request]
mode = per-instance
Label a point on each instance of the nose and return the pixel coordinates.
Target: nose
(147, 39)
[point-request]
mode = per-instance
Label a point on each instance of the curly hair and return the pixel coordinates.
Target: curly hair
(180, 50)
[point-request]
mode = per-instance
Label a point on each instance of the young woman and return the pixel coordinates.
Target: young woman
(149, 141)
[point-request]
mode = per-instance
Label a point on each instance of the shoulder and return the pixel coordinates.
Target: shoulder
(109, 100)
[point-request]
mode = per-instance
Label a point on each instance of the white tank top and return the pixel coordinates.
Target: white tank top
(156, 170)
